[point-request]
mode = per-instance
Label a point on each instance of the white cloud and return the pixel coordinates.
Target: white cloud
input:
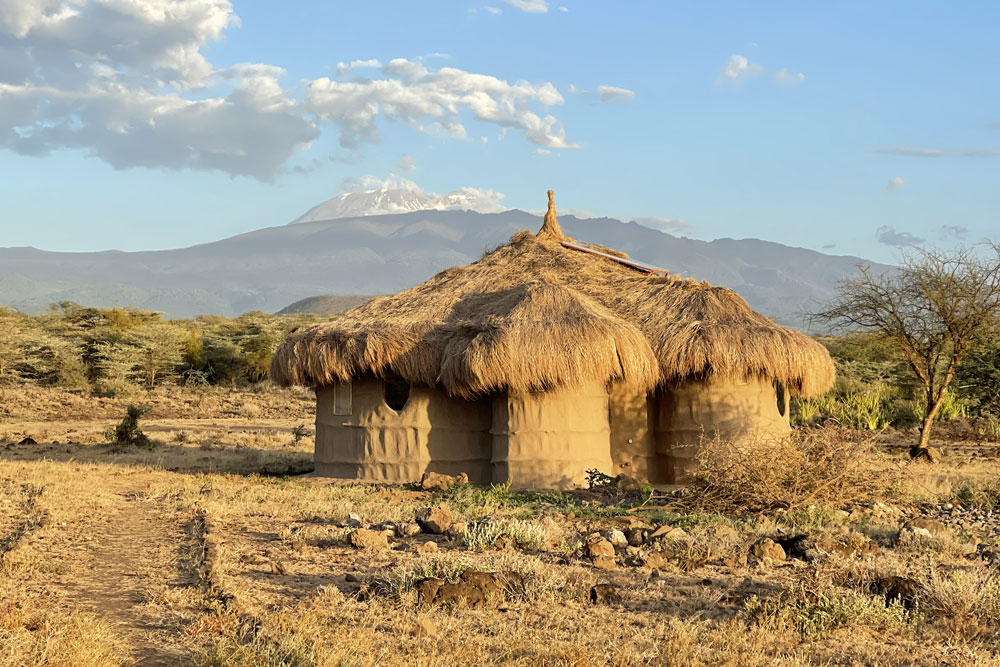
(413, 94)
(895, 183)
(668, 225)
(563, 8)
(542, 152)
(786, 77)
(609, 93)
(887, 235)
(496, 11)
(909, 151)
(739, 68)
(530, 6)
(128, 81)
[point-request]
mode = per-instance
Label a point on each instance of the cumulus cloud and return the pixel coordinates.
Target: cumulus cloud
(530, 6)
(910, 151)
(887, 235)
(434, 101)
(668, 225)
(895, 183)
(739, 68)
(128, 81)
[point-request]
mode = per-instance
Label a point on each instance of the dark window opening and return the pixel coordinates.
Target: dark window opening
(782, 403)
(396, 391)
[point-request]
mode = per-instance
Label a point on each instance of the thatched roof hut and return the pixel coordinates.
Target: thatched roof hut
(539, 318)
(535, 314)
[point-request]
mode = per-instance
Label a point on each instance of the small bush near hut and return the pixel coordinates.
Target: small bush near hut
(128, 434)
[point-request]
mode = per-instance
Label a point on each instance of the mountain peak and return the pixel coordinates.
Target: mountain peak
(386, 200)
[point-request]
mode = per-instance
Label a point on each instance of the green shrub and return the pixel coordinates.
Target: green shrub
(127, 433)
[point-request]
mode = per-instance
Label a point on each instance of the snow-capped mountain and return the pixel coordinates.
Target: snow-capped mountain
(387, 200)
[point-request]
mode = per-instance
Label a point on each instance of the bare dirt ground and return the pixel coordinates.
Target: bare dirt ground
(185, 554)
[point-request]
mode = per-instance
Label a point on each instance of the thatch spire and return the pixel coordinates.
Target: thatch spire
(550, 228)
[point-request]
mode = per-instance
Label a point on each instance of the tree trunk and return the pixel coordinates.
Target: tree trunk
(933, 405)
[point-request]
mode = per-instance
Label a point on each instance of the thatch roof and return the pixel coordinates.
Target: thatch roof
(534, 314)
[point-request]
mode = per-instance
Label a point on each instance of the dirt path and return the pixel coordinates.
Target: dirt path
(119, 558)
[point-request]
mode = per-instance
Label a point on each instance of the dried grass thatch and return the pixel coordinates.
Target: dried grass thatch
(533, 314)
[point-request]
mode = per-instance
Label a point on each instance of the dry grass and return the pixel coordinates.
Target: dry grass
(534, 314)
(810, 467)
(280, 565)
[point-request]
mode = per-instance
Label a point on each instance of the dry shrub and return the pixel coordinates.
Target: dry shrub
(809, 467)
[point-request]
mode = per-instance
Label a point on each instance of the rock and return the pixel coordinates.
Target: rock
(928, 454)
(627, 483)
(767, 548)
(617, 539)
(667, 533)
(654, 560)
(353, 520)
(362, 538)
(28, 441)
(473, 589)
(598, 546)
(735, 561)
(605, 594)
(352, 578)
(458, 529)
(913, 532)
(435, 520)
(811, 547)
(424, 627)
(408, 529)
(426, 548)
(637, 536)
(932, 526)
(901, 589)
(604, 562)
(435, 481)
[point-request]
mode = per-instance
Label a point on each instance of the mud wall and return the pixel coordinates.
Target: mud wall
(432, 432)
(690, 412)
(633, 437)
(548, 440)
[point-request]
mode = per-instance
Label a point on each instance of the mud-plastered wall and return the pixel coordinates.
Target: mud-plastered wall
(548, 440)
(431, 432)
(633, 437)
(690, 412)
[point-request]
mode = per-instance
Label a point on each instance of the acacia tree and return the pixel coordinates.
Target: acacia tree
(932, 308)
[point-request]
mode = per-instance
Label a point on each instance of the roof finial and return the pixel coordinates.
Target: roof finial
(550, 228)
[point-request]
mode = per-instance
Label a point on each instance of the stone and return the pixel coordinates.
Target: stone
(928, 454)
(654, 560)
(426, 548)
(627, 483)
(28, 441)
(352, 578)
(435, 481)
(435, 520)
(667, 533)
(767, 548)
(362, 538)
(637, 536)
(424, 627)
(932, 526)
(598, 546)
(605, 594)
(353, 520)
(604, 562)
(617, 539)
(408, 529)
(458, 529)
(473, 589)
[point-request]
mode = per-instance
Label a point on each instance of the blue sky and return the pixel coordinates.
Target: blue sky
(847, 127)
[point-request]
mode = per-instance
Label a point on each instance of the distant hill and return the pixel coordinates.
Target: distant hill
(328, 304)
(380, 254)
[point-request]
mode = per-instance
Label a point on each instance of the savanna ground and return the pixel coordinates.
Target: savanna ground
(209, 548)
